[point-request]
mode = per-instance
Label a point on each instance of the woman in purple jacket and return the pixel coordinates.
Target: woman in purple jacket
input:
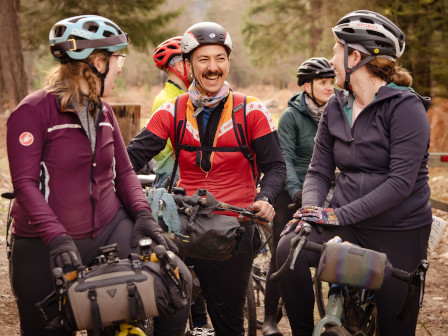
(75, 187)
(376, 133)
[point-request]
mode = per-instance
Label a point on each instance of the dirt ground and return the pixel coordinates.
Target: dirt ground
(433, 318)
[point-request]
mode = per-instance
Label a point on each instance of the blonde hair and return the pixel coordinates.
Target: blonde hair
(386, 69)
(64, 82)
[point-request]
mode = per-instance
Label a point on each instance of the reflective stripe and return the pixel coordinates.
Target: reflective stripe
(44, 178)
(58, 127)
(106, 124)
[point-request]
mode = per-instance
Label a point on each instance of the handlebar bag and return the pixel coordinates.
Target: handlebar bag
(351, 265)
(191, 223)
(123, 291)
(211, 237)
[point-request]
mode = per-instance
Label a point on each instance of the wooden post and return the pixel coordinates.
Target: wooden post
(128, 116)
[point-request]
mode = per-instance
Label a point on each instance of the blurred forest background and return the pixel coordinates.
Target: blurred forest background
(271, 38)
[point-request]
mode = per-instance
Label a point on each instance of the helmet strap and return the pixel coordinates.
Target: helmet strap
(349, 71)
(178, 74)
(312, 95)
(100, 75)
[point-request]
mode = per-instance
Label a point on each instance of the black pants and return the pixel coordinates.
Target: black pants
(224, 285)
(282, 216)
(404, 249)
(32, 281)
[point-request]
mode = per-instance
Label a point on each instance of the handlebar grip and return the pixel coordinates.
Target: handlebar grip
(416, 286)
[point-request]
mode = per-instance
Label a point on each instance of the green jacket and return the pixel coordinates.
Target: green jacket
(296, 130)
(165, 159)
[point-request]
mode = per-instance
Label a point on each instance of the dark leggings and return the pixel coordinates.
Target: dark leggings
(404, 249)
(282, 216)
(224, 284)
(32, 281)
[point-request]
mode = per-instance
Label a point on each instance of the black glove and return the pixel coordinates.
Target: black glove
(298, 198)
(146, 226)
(64, 254)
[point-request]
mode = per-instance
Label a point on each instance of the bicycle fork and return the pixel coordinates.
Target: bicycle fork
(333, 311)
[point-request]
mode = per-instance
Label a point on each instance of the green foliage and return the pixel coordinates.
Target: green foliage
(143, 20)
(424, 23)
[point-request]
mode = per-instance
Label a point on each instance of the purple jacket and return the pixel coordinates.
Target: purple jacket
(61, 187)
(382, 158)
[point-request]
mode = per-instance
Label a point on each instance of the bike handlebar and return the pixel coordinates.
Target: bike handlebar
(414, 279)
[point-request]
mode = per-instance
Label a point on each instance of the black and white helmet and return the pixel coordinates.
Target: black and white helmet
(204, 33)
(378, 34)
(316, 67)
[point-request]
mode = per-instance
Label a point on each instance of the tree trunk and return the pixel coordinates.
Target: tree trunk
(316, 28)
(13, 79)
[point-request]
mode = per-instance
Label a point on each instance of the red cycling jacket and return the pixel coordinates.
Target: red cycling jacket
(61, 187)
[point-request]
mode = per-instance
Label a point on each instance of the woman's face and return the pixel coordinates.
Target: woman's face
(322, 89)
(338, 63)
(116, 62)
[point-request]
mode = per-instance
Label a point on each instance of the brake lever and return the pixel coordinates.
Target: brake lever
(421, 274)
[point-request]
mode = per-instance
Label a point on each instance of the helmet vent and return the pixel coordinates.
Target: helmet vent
(59, 31)
(90, 26)
(366, 20)
(348, 30)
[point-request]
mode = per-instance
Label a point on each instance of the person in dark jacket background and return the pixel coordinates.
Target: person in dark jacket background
(74, 184)
(297, 128)
(376, 132)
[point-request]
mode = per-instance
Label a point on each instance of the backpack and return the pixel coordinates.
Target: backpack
(239, 102)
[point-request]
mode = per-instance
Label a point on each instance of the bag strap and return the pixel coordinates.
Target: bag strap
(136, 307)
(96, 317)
(178, 128)
(239, 102)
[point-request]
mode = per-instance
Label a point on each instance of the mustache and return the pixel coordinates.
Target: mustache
(215, 73)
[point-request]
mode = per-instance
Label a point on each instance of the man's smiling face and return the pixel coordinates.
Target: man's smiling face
(210, 65)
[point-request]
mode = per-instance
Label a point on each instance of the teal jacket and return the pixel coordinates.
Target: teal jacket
(296, 130)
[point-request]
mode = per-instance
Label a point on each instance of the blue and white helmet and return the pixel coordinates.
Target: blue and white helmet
(204, 33)
(75, 38)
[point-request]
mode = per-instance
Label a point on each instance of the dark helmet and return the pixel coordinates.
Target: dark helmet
(204, 33)
(75, 38)
(165, 52)
(316, 67)
(378, 34)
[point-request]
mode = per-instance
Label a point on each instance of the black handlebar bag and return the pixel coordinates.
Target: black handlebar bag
(200, 233)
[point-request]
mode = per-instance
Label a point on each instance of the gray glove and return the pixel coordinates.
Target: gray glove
(146, 226)
(64, 254)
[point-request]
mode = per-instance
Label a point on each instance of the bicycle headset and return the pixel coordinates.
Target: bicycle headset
(164, 54)
(75, 38)
(376, 33)
(316, 67)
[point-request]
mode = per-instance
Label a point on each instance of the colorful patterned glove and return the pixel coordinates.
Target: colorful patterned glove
(317, 215)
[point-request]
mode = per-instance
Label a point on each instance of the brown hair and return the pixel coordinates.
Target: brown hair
(63, 81)
(387, 70)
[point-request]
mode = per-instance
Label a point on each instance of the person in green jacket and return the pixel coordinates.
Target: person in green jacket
(168, 58)
(297, 128)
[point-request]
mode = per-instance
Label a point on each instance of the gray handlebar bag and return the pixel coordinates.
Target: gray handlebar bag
(120, 292)
(352, 265)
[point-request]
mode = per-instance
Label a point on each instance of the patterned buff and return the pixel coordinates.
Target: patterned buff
(315, 111)
(201, 101)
